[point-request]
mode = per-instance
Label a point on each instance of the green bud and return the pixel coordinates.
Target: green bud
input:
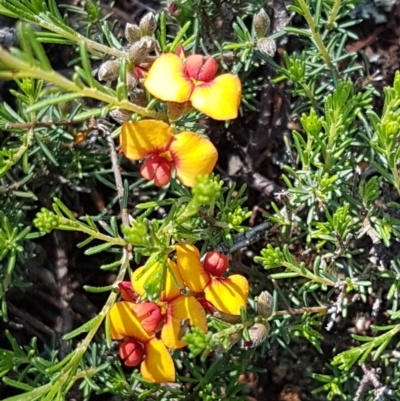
(311, 123)
(46, 220)
(148, 24)
(136, 234)
(207, 189)
(261, 23)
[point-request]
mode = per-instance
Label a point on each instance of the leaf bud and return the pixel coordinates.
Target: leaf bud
(261, 23)
(265, 304)
(108, 71)
(138, 52)
(258, 334)
(46, 220)
(136, 234)
(206, 189)
(148, 24)
(132, 33)
(266, 46)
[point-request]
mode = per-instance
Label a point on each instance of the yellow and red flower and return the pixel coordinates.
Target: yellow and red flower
(175, 307)
(158, 366)
(172, 78)
(226, 294)
(189, 153)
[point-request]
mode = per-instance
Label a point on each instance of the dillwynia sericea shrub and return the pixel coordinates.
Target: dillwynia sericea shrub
(131, 111)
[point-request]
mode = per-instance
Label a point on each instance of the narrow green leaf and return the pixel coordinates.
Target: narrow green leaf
(85, 328)
(45, 150)
(98, 248)
(96, 290)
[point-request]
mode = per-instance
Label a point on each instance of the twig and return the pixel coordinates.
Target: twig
(371, 375)
(301, 311)
(42, 124)
(116, 171)
(64, 322)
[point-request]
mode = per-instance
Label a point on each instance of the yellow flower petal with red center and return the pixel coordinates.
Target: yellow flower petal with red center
(180, 309)
(219, 98)
(190, 267)
(167, 81)
(123, 323)
(141, 139)
(158, 367)
(228, 294)
(172, 287)
(193, 155)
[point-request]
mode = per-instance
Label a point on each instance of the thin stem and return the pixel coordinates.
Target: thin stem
(309, 94)
(329, 147)
(22, 69)
(308, 274)
(65, 224)
(333, 14)
(42, 124)
(76, 37)
(317, 38)
(117, 177)
(301, 311)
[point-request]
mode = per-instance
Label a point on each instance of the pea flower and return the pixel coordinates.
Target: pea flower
(158, 366)
(175, 307)
(226, 294)
(172, 78)
(189, 153)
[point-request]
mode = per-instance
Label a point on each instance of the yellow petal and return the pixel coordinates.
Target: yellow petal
(193, 155)
(167, 81)
(173, 279)
(158, 367)
(140, 139)
(228, 294)
(123, 323)
(190, 267)
(220, 98)
(181, 311)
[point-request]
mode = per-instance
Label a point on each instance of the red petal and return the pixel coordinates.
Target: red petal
(131, 352)
(158, 169)
(126, 291)
(216, 263)
(208, 71)
(149, 315)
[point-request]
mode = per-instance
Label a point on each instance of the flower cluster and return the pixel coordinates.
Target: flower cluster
(149, 329)
(183, 83)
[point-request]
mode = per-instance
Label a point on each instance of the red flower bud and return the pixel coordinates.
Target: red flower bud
(157, 168)
(216, 263)
(126, 291)
(149, 315)
(200, 68)
(131, 352)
